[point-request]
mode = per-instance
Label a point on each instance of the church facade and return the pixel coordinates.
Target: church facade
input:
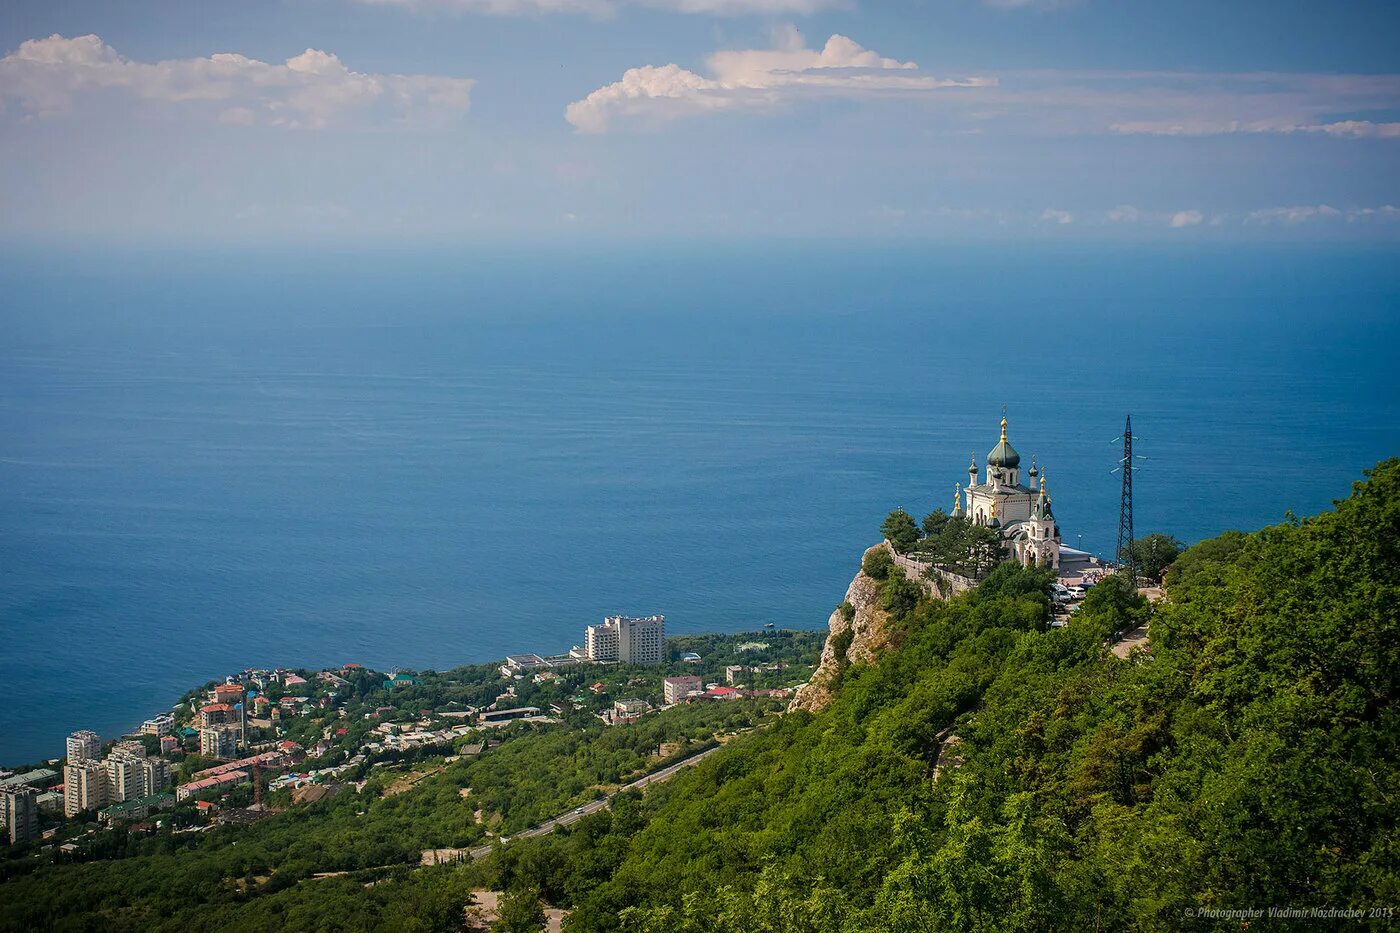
(1021, 512)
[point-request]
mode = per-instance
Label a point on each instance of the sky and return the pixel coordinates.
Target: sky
(477, 120)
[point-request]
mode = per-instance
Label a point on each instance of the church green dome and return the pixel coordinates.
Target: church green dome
(1003, 454)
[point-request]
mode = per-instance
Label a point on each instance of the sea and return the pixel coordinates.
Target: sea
(410, 457)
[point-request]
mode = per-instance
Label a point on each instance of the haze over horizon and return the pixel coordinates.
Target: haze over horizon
(454, 120)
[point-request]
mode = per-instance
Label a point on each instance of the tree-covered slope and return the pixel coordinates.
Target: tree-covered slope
(1248, 760)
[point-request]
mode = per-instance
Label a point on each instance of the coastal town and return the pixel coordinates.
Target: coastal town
(234, 751)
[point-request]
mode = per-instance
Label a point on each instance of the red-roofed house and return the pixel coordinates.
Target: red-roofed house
(215, 714)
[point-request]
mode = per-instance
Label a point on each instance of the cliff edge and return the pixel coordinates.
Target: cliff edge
(857, 634)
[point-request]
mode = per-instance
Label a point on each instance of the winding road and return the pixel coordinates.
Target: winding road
(573, 816)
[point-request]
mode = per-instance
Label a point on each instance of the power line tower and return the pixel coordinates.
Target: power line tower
(1125, 505)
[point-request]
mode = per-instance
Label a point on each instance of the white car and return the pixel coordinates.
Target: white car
(1076, 592)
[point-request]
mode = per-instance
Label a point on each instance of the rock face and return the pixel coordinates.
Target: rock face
(856, 637)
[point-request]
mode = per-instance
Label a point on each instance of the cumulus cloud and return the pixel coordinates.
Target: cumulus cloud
(1051, 215)
(1186, 219)
(1125, 214)
(608, 7)
(313, 89)
(752, 78)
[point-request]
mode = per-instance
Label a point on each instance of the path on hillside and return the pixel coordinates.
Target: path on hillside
(435, 856)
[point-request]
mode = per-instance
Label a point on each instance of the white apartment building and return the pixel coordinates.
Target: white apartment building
(219, 742)
(124, 777)
(161, 725)
(627, 639)
(84, 787)
(155, 774)
(129, 747)
(83, 746)
(675, 689)
(19, 813)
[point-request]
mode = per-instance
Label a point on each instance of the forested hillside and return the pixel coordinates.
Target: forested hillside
(1248, 760)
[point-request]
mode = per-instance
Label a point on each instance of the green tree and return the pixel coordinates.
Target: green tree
(520, 911)
(900, 531)
(1154, 553)
(934, 523)
(877, 563)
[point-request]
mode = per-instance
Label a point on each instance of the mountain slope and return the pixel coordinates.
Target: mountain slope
(1248, 760)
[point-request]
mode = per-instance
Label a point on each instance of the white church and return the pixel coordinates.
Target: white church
(1022, 513)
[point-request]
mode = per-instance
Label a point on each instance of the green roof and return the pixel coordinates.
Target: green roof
(1003, 455)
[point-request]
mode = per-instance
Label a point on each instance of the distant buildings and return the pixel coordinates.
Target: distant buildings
(160, 725)
(124, 777)
(233, 773)
(137, 808)
(631, 707)
(84, 787)
(215, 714)
(627, 639)
(496, 717)
(675, 689)
(127, 773)
(219, 741)
(83, 746)
(19, 813)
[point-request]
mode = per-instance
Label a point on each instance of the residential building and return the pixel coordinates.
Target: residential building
(83, 745)
(123, 777)
(678, 688)
(631, 707)
(215, 714)
(497, 716)
(155, 774)
(627, 639)
(129, 747)
(84, 787)
(228, 694)
(160, 725)
(270, 760)
(19, 813)
(219, 741)
(168, 744)
(39, 777)
(136, 809)
(217, 783)
(520, 663)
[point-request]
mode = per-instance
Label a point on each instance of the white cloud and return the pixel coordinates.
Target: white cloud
(753, 78)
(1345, 129)
(313, 89)
(1125, 214)
(1051, 215)
(1304, 213)
(1186, 219)
(609, 7)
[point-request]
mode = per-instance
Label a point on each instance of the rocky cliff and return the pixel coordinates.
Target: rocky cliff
(856, 636)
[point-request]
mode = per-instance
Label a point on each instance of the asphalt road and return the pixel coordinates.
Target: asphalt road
(573, 816)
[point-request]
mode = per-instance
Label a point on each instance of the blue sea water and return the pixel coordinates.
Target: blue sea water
(210, 461)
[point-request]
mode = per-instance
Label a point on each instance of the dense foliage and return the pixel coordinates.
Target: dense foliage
(1248, 760)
